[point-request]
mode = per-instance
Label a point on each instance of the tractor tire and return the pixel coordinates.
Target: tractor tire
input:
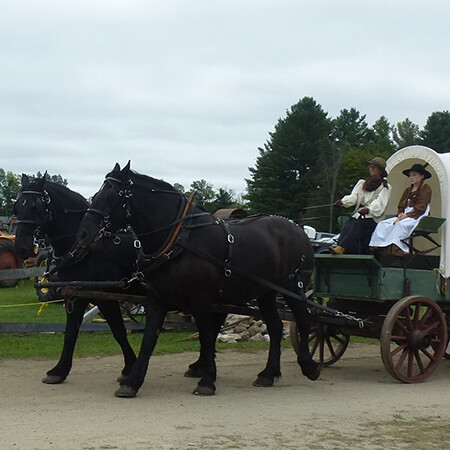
(8, 260)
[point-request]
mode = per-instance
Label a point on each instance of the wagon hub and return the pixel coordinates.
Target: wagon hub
(419, 340)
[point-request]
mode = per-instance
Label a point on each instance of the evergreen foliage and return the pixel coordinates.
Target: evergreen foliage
(436, 132)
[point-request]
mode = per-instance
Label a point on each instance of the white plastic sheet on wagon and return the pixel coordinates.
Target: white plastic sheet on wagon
(439, 167)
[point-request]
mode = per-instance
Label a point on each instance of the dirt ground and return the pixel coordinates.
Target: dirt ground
(355, 404)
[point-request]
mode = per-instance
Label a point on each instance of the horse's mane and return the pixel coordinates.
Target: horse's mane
(145, 180)
(57, 190)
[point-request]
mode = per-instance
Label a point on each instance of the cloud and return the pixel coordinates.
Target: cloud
(190, 89)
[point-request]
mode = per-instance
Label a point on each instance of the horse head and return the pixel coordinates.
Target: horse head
(46, 210)
(110, 207)
(32, 209)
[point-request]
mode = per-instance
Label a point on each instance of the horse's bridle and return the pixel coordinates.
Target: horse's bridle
(43, 201)
(125, 192)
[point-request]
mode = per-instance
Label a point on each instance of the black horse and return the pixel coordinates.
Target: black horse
(195, 260)
(46, 209)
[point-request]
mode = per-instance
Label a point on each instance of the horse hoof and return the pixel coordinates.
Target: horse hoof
(311, 370)
(122, 378)
(53, 379)
(204, 390)
(193, 373)
(263, 382)
(125, 392)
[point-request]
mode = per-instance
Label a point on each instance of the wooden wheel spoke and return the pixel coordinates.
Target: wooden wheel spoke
(430, 356)
(407, 313)
(330, 347)
(436, 341)
(398, 338)
(426, 316)
(314, 346)
(432, 326)
(402, 326)
(410, 363)
(419, 361)
(398, 349)
(338, 338)
(416, 314)
(402, 358)
(312, 336)
(321, 350)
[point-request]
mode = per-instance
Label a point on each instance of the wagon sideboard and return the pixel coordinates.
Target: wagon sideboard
(361, 277)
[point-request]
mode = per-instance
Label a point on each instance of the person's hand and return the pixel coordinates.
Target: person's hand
(338, 203)
(364, 211)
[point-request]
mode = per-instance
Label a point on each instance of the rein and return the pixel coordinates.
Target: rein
(229, 269)
(177, 230)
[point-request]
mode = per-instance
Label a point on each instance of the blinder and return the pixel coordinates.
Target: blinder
(42, 214)
(42, 209)
(126, 194)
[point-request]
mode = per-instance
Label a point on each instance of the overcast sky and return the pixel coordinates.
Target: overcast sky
(189, 89)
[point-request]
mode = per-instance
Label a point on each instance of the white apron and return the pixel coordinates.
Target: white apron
(387, 233)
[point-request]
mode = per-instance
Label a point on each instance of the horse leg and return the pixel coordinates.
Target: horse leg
(74, 318)
(206, 326)
(309, 368)
(155, 313)
(195, 370)
(269, 313)
(112, 313)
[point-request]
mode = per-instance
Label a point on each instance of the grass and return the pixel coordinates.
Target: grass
(20, 304)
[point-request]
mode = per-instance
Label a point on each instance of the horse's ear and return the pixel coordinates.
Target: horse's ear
(116, 168)
(25, 180)
(45, 176)
(126, 169)
(40, 183)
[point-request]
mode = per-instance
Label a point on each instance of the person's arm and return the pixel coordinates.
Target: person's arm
(421, 203)
(352, 198)
(403, 201)
(378, 206)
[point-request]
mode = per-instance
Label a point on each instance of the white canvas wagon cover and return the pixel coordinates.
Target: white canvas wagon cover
(439, 167)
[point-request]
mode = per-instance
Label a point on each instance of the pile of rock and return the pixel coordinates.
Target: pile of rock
(239, 328)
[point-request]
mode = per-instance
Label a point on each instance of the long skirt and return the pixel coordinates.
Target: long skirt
(387, 232)
(355, 236)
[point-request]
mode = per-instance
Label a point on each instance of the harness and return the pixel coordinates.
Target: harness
(43, 201)
(178, 241)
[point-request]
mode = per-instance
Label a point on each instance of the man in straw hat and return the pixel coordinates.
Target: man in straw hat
(414, 203)
(370, 198)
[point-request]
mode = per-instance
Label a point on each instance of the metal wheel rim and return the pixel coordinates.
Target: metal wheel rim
(413, 339)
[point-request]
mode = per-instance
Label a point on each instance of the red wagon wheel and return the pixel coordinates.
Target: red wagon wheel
(413, 339)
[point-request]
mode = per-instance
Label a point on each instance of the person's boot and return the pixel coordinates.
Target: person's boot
(338, 250)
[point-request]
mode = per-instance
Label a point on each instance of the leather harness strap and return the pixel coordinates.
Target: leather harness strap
(177, 230)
